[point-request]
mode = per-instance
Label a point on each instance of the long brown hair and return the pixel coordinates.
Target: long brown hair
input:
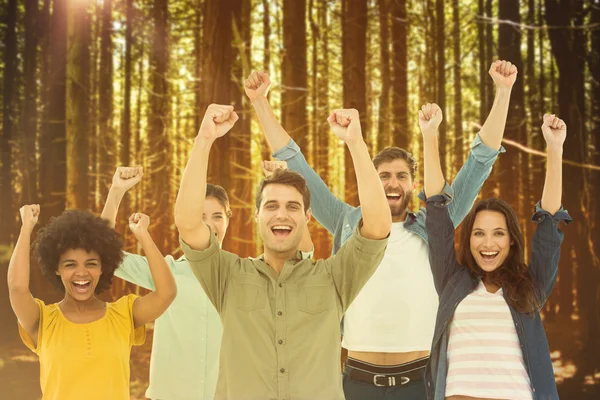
(513, 275)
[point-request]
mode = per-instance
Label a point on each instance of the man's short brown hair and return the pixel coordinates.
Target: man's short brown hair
(285, 177)
(219, 193)
(390, 154)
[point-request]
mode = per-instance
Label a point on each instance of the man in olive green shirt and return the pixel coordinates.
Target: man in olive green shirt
(281, 314)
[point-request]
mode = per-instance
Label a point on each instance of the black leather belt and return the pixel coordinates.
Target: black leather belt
(384, 376)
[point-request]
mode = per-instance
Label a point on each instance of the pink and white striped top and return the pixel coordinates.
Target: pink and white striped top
(484, 354)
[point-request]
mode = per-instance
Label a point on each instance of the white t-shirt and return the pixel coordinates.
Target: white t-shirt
(395, 311)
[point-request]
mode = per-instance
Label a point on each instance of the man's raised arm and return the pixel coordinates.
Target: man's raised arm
(377, 219)
(217, 121)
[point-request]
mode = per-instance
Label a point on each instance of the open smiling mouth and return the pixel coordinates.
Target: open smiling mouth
(489, 255)
(281, 230)
(393, 196)
(81, 286)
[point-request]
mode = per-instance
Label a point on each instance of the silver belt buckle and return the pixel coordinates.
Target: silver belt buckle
(391, 380)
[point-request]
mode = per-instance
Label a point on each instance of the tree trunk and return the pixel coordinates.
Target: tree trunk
(198, 59)
(216, 82)
(458, 131)
(159, 123)
(107, 145)
(591, 293)
(483, 65)
(440, 98)
(354, 52)
(9, 99)
(53, 148)
(401, 127)
(30, 114)
(322, 135)
(509, 48)
(383, 131)
(78, 101)
(568, 49)
(489, 37)
(293, 72)
(126, 122)
(241, 228)
(265, 151)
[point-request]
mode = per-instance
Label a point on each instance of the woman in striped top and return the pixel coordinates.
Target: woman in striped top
(489, 342)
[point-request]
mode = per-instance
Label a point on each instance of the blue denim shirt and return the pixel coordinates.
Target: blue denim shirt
(340, 219)
(453, 283)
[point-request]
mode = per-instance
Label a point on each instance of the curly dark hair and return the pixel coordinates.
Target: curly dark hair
(513, 275)
(77, 229)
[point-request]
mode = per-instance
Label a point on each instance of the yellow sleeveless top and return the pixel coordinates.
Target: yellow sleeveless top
(86, 361)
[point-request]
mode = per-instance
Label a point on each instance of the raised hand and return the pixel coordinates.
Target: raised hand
(503, 73)
(430, 118)
(257, 85)
(29, 216)
(139, 223)
(127, 177)
(269, 167)
(217, 121)
(554, 130)
(345, 124)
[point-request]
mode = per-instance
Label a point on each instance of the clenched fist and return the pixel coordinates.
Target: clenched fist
(139, 223)
(430, 118)
(127, 177)
(503, 73)
(554, 130)
(257, 85)
(217, 121)
(345, 124)
(269, 167)
(29, 216)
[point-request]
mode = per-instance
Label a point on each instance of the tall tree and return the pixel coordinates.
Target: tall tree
(216, 81)
(592, 290)
(53, 150)
(78, 101)
(509, 48)
(9, 117)
(401, 127)
(568, 50)
(242, 228)
(383, 132)
(30, 114)
(265, 150)
(107, 145)
(125, 157)
(458, 131)
(198, 60)
(440, 97)
(322, 135)
(482, 57)
(490, 52)
(294, 78)
(159, 122)
(354, 53)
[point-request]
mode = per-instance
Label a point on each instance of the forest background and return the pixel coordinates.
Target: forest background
(87, 85)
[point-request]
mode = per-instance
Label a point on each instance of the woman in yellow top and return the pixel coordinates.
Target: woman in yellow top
(83, 343)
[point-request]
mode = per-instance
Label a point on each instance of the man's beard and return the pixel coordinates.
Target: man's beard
(400, 209)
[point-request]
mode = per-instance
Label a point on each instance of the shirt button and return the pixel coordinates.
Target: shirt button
(279, 313)
(280, 285)
(280, 341)
(282, 370)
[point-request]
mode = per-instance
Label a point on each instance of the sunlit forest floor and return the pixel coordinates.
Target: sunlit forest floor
(19, 368)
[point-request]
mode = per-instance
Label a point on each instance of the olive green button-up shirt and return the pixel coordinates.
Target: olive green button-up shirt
(281, 334)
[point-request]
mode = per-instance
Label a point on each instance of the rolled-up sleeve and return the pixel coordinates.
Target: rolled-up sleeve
(545, 250)
(212, 268)
(354, 264)
(440, 230)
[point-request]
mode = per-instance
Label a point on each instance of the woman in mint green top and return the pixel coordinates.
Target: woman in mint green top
(185, 350)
